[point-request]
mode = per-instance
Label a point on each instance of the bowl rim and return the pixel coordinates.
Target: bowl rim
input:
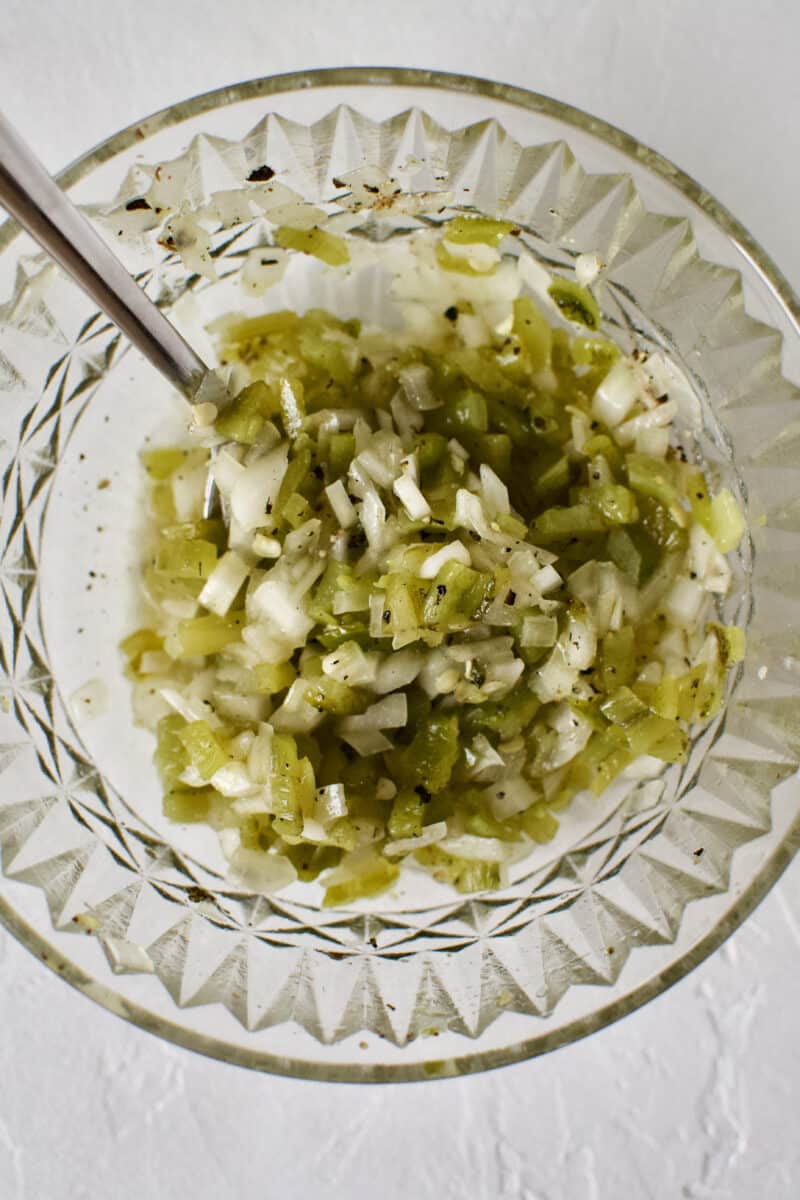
(779, 858)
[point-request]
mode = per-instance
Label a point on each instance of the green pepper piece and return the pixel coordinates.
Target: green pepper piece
(374, 878)
(469, 230)
(316, 242)
(341, 449)
(243, 420)
(456, 595)
(185, 559)
(576, 303)
(429, 759)
(209, 634)
(464, 874)
(534, 333)
(170, 755)
(205, 753)
(407, 816)
(188, 805)
(162, 463)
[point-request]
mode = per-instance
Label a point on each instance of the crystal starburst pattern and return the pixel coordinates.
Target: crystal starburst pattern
(468, 962)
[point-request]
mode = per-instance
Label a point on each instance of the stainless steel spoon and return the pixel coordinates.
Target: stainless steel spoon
(36, 201)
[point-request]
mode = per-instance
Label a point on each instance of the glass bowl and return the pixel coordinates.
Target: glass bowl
(634, 891)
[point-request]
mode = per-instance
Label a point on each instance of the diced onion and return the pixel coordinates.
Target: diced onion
(330, 803)
(683, 601)
(412, 499)
(555, 678)
(398, 670)
(481, 849)
(417, 383)
(342, 505)
(430, 835)
(349, 664)
(233, 780)
(256, 489)
(265, 547)
(617, 394)
(389, 713)
(495, 492)
(509, 797)
(223, 584)
(451, 551)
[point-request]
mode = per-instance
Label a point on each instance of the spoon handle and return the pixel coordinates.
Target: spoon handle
(30, 195)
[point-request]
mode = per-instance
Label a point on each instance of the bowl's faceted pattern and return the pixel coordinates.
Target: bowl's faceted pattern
(460, 966)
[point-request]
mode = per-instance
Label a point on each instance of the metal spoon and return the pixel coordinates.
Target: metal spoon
(31, 196)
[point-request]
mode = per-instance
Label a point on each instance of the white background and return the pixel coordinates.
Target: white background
(697, 1094)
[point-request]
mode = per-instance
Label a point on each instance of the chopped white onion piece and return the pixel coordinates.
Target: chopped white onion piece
(617, 394)
(367, 742)
(554, 679)
(579, 642)
(408, 419)
(397, 670)
(483, 761)
(349, 664)
(296, 714)
(547, 579)
(389, 713)
(256, 489)
(654, 442)
(508, 797)
(205, 414)
(455, 551)
(265, 547)
(226, 468)
(373, 519)
(431, 834)
(477, 255)
(249, 806)
(495, 492)
(377, 467)
(417, 383)
(190, 709)
(683, 601)
(412, 499)
(233, 780)
(472, 329)
(342, 505)
(573, 732)
(223, 584)
(654, 418)
(154, 662)
(330, 803)
(706, 562)
(479, 849)
(587, 268)
(644, 767)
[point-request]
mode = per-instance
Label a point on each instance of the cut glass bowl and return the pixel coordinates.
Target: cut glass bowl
(637, 888)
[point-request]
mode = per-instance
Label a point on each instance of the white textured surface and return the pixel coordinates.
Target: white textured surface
(693, 1096)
